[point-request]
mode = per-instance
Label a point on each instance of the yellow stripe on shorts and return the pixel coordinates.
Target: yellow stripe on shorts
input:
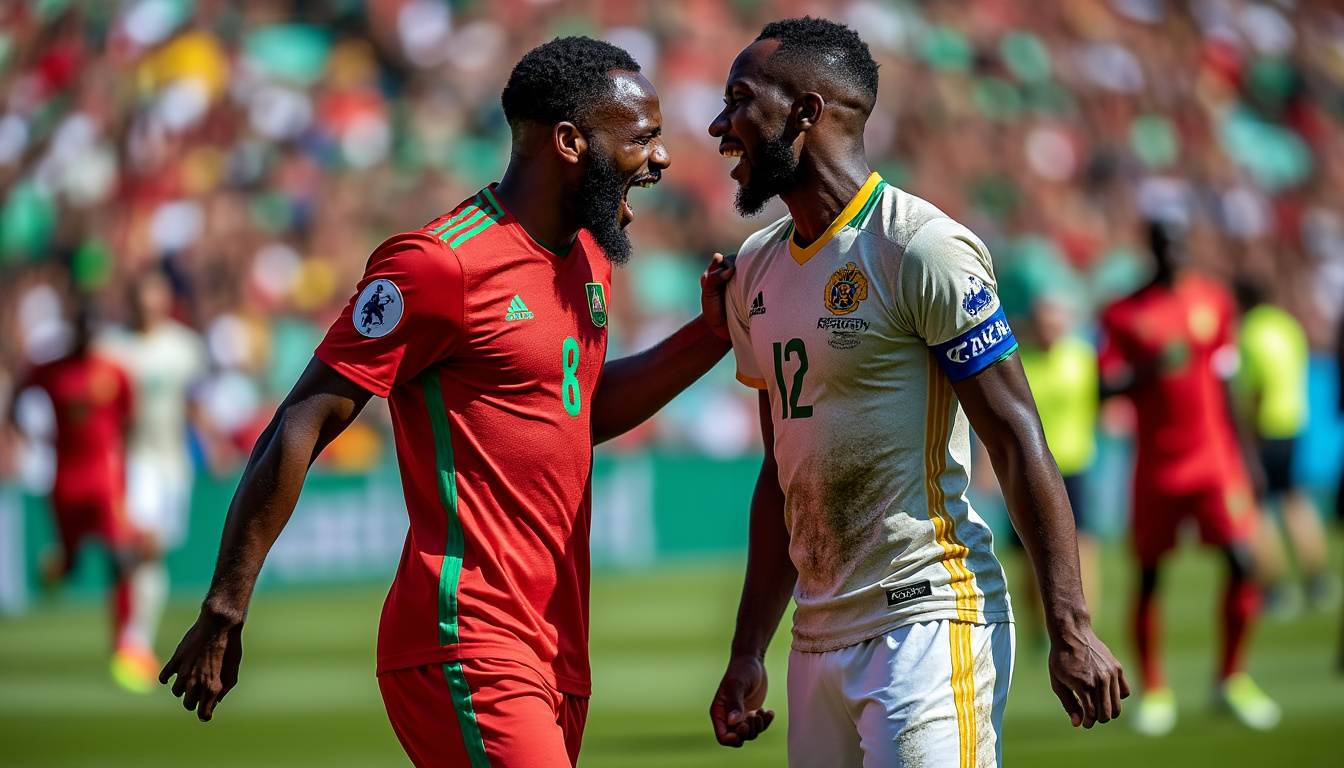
(963, 690)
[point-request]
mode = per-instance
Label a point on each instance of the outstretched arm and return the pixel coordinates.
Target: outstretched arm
(1084, 674)
(738, 711)
(635, 387)
(321, 405)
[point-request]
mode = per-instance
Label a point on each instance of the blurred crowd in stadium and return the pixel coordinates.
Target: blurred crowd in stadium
(256, 151)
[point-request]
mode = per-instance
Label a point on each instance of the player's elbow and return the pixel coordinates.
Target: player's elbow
(1015, 440)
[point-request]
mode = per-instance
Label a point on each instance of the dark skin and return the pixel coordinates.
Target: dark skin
(832, 161)
(543, 173)
(824, 120)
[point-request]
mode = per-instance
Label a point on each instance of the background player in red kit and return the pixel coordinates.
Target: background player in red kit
(92, 400)
(486, 331)
(1171, 348)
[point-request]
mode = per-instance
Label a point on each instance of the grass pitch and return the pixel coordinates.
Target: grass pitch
(659, 644)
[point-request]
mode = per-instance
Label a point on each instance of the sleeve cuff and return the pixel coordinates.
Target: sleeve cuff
(356, 375)
(977, 349)
(750, 382)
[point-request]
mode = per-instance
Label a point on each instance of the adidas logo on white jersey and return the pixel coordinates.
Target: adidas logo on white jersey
(758, 304)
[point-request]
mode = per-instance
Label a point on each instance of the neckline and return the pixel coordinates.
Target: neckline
(852, 214)
(510, 222)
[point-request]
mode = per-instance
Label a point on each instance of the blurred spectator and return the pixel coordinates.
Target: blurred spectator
(259, 150)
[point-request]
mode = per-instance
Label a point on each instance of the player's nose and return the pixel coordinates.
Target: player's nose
(660, 158)
(720, 125)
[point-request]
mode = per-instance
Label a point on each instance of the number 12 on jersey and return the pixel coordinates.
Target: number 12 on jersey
(784, 353)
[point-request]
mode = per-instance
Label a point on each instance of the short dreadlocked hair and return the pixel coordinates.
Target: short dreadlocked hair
(808, 46)
(563, 81)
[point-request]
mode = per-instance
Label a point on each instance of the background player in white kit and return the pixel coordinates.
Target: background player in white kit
(165, 360)
(869, 321)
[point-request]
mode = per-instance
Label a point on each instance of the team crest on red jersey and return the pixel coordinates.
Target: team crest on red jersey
(597, 304)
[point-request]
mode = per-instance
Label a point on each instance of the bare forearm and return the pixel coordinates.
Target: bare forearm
(771, 575)
(635, 387)
(303, 425)
(1039, 508)
(261, 506)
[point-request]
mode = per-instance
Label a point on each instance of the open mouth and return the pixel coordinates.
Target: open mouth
(729, 148)
(628, 213)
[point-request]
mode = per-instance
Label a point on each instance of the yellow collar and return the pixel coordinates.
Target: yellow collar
(856, 204)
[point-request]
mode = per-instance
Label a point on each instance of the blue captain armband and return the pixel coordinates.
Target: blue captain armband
(976, 349)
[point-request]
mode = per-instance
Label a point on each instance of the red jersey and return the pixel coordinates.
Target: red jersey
(488, 348)
(1172, 340)
(93, 403)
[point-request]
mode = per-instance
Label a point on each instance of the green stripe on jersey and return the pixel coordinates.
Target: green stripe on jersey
(861, 218)
(467, 211)
(450, 572)
(476, 215)
(467, 235)
(494, 203)
(466, 714)
(455, 546)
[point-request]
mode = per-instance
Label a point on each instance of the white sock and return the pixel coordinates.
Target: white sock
(149, 594)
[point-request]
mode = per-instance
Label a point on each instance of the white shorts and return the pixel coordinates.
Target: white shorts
(927, 695)
(157, 501)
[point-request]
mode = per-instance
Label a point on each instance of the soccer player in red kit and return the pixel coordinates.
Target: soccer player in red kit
(1171, 348)
(92, 400)
(486, 330)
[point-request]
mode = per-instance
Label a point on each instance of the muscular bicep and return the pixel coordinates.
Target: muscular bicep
(324, 402)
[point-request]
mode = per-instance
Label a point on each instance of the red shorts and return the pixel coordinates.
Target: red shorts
(98, 517)
(483, 713)
(1226, 515)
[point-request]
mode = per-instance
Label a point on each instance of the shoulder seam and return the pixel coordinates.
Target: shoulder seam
(462, 273)
(885, 238)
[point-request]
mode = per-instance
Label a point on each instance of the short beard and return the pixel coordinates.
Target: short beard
(599, 197)
(773, 173)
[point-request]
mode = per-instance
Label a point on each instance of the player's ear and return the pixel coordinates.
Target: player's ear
(807, 111)
(570, 142)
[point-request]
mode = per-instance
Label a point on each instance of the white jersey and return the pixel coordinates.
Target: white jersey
(163, 365)
(858, 338)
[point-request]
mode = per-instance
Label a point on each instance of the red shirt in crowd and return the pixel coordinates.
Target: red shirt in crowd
(1174, 342)
(488, 348)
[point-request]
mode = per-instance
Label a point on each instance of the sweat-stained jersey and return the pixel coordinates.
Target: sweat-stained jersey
(488, 348)
(857, 339)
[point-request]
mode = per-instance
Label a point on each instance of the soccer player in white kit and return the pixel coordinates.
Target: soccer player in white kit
(869, 322)
(165, 359)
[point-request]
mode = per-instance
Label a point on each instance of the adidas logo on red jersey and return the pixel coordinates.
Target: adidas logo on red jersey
(518, 310)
